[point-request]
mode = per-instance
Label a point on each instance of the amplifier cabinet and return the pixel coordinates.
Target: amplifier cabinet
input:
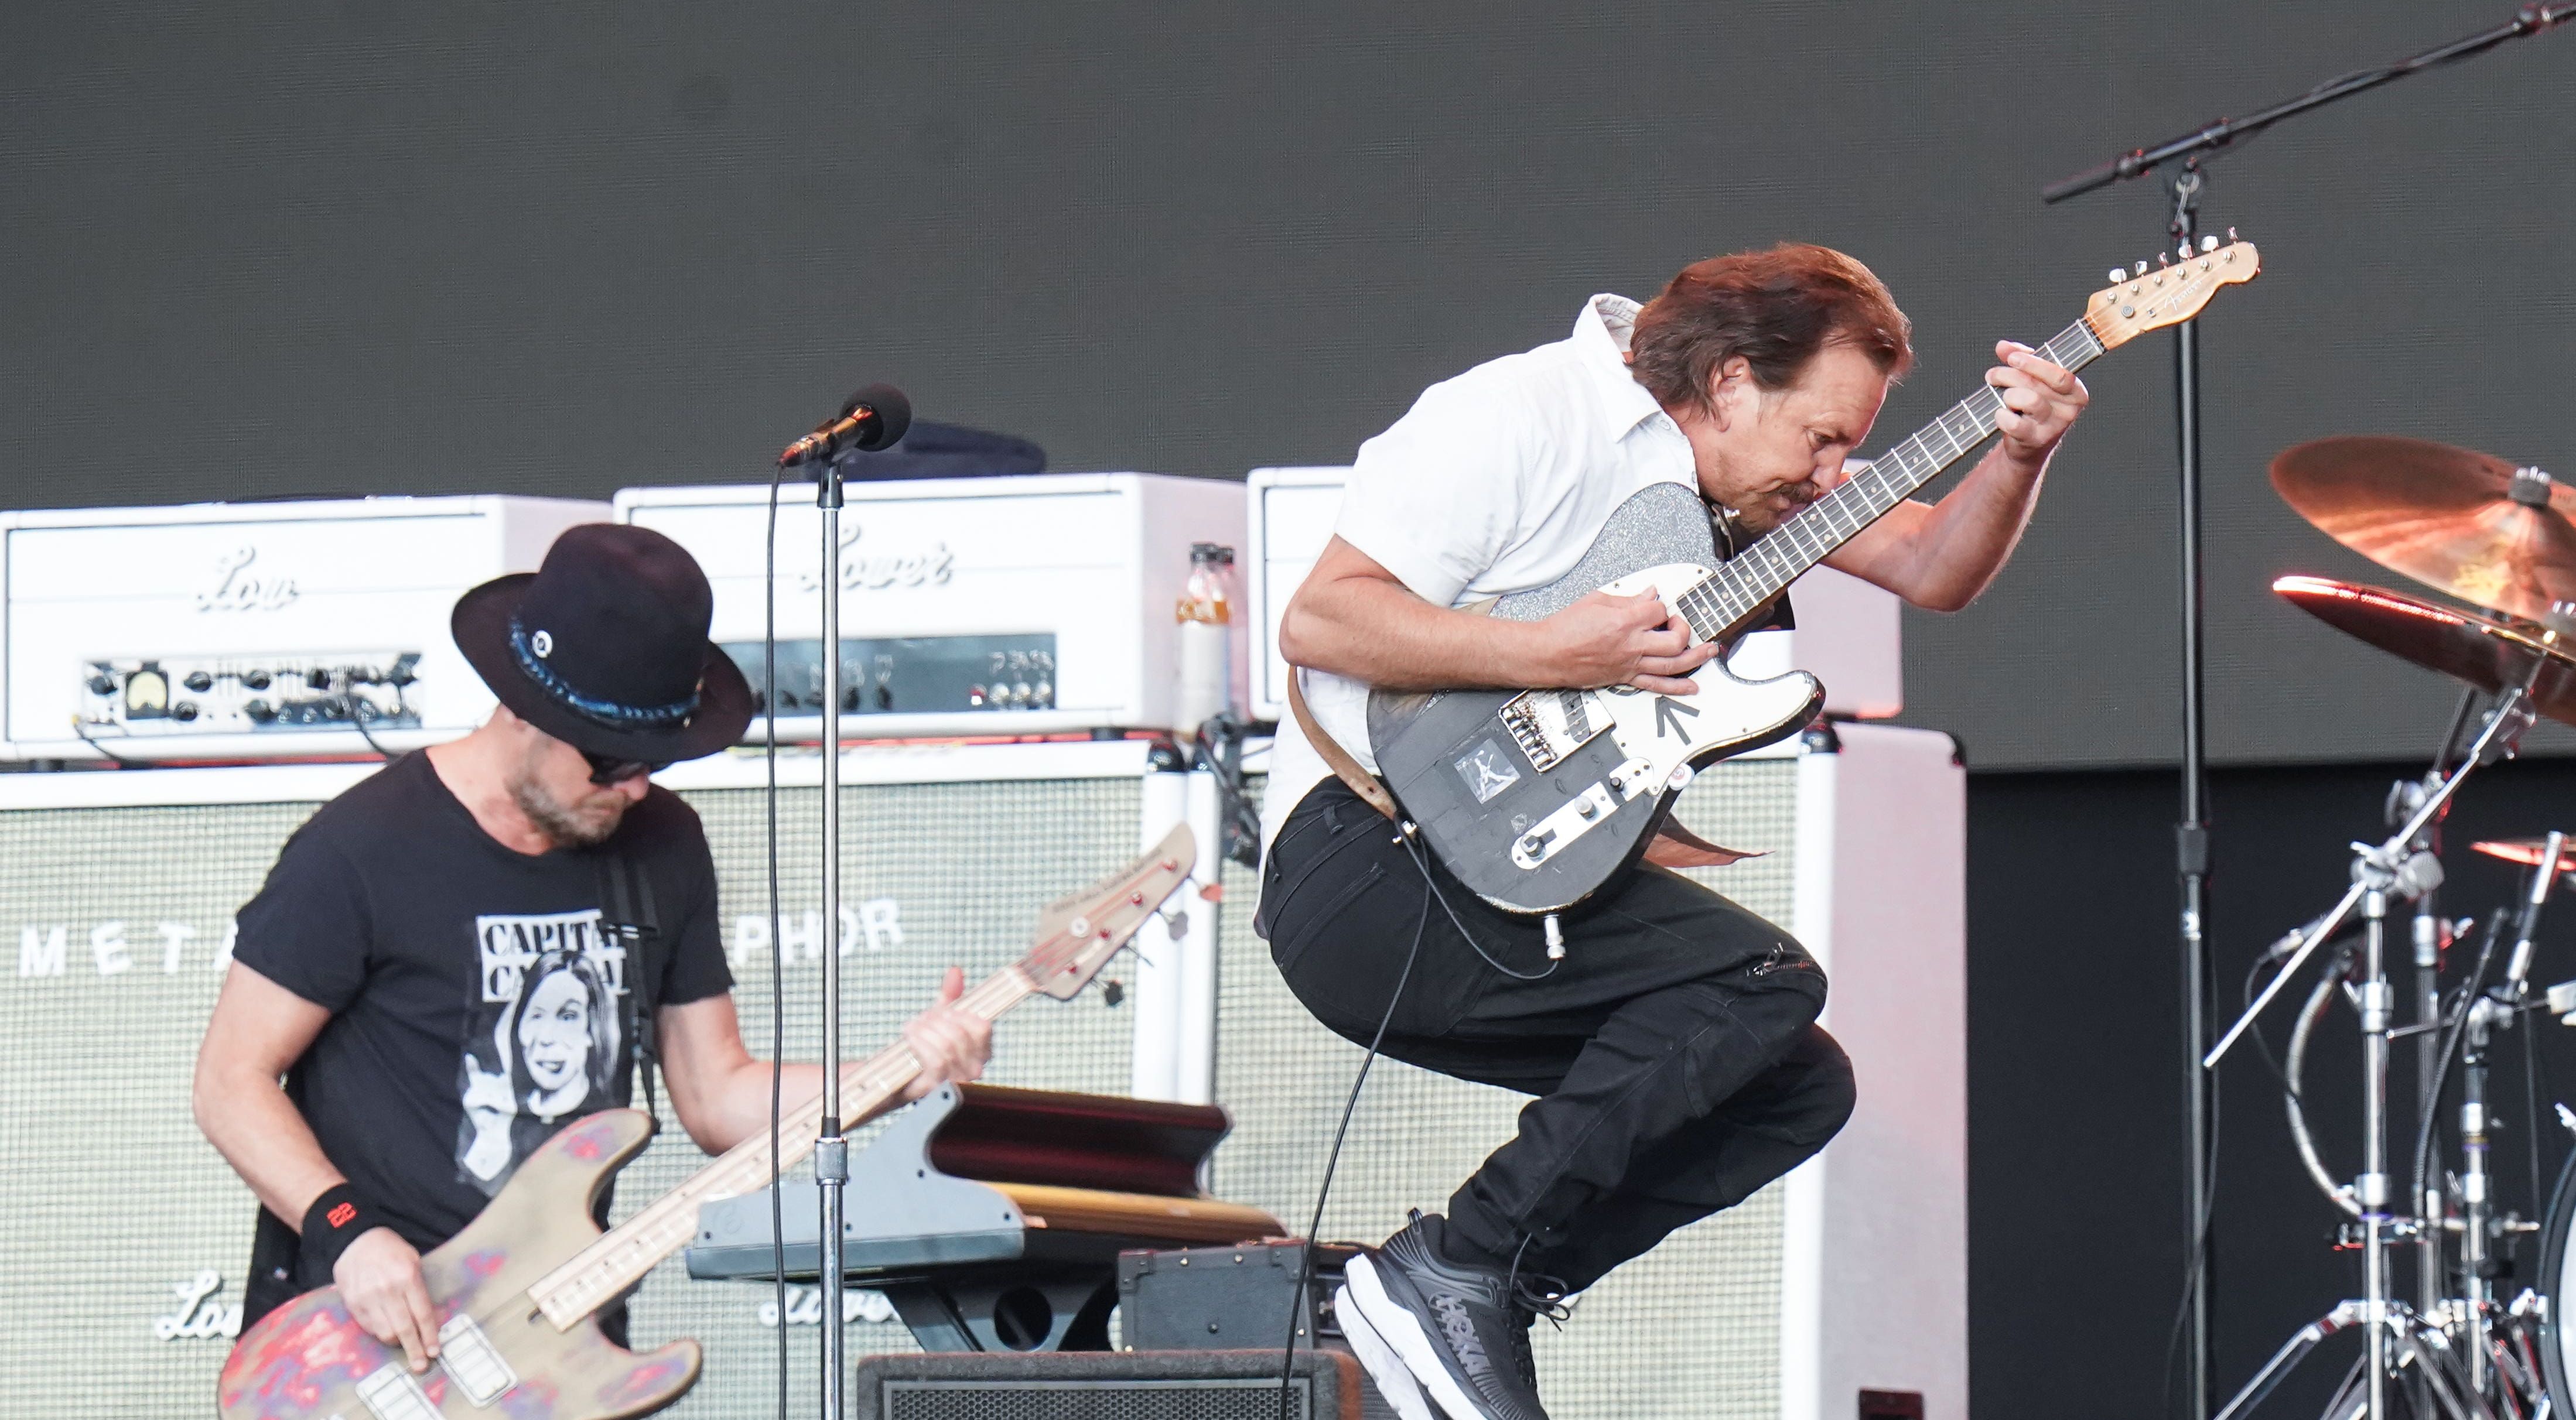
(1114, 1385)
(127, 1236)
(969, 606)
(253, 630)
(1850, 1274)
(1847, 634)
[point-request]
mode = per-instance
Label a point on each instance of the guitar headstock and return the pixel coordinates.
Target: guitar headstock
(1077, 935)
(2151, 298)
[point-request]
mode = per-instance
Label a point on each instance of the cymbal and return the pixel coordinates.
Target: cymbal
(2453, 519)
(2526, 851)
(2467, 647)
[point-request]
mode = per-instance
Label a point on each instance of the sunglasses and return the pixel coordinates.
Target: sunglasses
(606, 770)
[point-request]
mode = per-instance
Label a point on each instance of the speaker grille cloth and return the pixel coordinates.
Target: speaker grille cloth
(1693, 1328)
(113, 1205)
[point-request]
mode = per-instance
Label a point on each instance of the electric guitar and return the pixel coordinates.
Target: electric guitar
(1536, 798)
(518, 1291)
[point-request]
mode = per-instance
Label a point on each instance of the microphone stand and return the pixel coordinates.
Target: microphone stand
(832, 1150)
(2191, 834)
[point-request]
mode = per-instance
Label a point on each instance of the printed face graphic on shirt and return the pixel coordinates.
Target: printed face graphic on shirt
(542, 1046)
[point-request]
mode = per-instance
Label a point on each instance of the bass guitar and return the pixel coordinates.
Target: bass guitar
(519, 1290)
(1535, 798)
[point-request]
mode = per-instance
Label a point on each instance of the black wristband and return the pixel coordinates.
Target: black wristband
(336, 1220)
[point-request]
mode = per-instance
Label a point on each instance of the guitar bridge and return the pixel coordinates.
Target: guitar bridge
(1548, 725)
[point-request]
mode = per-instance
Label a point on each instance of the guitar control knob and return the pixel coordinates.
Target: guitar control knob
(198, 681)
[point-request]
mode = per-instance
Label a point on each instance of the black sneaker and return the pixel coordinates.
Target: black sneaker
(1458, 1332)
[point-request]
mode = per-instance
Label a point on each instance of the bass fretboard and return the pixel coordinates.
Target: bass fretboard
(1744, 583)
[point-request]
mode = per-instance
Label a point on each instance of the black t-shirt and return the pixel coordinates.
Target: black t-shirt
(476, 1007)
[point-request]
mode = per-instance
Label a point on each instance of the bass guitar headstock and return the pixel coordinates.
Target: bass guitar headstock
(1077, 935)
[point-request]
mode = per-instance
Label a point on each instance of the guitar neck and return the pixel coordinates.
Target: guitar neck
(1745, 583)
(620, 1257)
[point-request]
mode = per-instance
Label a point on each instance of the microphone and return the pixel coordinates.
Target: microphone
(2544, 876)
(871, 419)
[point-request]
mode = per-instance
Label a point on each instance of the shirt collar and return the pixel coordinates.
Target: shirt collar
(1601, 332)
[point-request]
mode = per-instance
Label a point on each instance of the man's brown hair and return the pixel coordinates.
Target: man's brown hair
(1775, 308)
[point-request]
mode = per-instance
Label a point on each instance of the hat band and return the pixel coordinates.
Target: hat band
(607, 713)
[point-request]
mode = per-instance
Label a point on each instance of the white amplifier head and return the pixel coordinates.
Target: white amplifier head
(251, 630)
(1018, 605)
(1848, 631)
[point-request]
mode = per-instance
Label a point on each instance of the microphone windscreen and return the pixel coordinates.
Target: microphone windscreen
(894, 414)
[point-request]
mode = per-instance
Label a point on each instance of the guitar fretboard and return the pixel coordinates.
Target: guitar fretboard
(1754, 576)
(603, 1271)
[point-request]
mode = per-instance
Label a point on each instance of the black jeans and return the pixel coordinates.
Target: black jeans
(1674, 1051)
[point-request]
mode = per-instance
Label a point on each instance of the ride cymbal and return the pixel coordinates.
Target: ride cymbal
(2455, 520)
(2462, 645)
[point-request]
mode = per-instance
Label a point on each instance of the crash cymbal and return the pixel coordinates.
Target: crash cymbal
(2455, 520)
(2525, 851)
(2485, 653)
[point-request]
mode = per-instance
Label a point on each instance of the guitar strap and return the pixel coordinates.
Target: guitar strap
(627, 914)
(1371, 789)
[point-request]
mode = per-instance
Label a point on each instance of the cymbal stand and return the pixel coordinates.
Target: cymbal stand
(2494, 1010)
(2393, 867)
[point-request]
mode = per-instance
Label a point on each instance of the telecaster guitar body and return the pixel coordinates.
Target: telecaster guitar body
(500, 1355)
(1535, 798)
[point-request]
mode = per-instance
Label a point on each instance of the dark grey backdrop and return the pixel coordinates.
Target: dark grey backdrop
(274, 249)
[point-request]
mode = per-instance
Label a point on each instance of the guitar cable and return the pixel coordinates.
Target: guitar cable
(1350, 1106)
(1333, 1159)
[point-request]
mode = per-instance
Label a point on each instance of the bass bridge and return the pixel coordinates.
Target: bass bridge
(1548, 725)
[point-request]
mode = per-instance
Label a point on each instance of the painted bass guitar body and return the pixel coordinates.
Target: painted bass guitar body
(500, 1357)
(1535, 799)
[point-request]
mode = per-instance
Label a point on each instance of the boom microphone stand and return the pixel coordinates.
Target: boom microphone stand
(2191, 834)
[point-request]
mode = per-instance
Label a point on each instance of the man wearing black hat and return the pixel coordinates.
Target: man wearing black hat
(427, 965)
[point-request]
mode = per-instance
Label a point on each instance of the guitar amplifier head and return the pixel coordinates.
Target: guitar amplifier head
(252, 630)
(1114, 1385)
(1021, 605)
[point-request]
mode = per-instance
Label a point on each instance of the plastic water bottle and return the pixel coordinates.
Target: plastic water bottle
(1206, 624)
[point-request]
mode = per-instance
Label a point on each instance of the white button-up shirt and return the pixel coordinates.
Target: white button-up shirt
(1495, 482)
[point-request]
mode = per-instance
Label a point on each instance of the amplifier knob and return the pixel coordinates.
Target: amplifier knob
(101, 685)
(1020, 694)
(256, 680)
(974, 697)
(184, 711)
(258, 710)
(198, 681)
(318, 678)
(885, 697)
(1046, 694)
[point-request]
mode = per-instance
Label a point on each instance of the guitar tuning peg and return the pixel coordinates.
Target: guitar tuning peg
(2164, 260)
(2119, 274)
(2231, 234)
(2141, 269)
(2209, 243)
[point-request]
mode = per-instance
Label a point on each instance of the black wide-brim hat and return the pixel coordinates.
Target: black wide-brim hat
(605, 647)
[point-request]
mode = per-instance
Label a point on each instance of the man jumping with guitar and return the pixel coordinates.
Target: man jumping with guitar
(1673, 1049)
(436, 965)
